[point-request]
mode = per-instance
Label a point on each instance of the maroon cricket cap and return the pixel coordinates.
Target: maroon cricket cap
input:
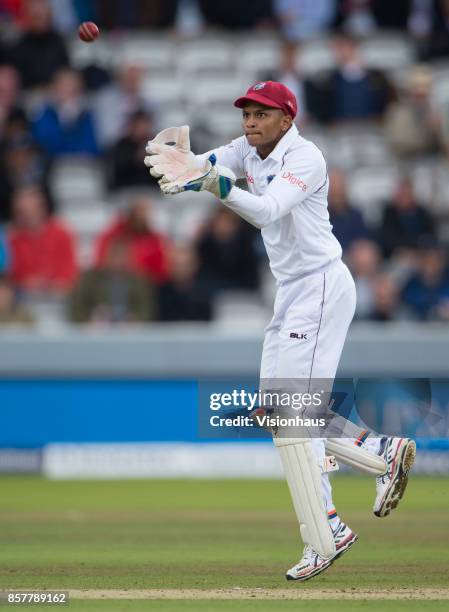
(272, 94)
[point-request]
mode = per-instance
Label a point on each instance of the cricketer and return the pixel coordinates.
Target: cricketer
(315, 300)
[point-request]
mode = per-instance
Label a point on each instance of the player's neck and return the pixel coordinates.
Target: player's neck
(265, 150)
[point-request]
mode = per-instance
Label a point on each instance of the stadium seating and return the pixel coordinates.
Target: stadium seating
(388, 52)
(195, 81)
(370, 187)
(240, 308)
(77, 181)
(87, 223)
(315, 56)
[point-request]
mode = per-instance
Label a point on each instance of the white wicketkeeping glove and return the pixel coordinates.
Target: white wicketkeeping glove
(174, 142)
(178, 169)
(218, 180)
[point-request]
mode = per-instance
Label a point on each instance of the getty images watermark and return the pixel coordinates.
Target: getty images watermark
(268, 409)
(323, 408)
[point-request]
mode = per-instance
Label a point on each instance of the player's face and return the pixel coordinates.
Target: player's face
(264, 126)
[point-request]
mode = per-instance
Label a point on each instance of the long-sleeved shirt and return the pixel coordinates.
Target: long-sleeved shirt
(287, 200)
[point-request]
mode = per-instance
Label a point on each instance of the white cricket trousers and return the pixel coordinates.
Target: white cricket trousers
(305, 338)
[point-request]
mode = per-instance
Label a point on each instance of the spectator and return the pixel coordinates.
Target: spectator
(363, 259)
(308, 95)
(227, 253)
(412, 125)
(21, 165)
(126, 156)
(42, 249)
(65, 126)
(10, 10)
(4, 254)
(235, 15)
(394, 15)
(386, 299)
(185, 297)
(427, 292)
(189, 21)
(302, 19)
(4, 53)
(147, 249)
(405, 224)
(64, 16)
(437, 43)
(116, 104)
(347, 222)
(86, 10)
(11, 312)
(112, 293)
(12, 115)
(136, 13)
(354, 92)
(420, 20)
(355, 17)
(40, 51)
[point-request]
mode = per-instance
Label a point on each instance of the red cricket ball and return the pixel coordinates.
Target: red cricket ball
(88, 31)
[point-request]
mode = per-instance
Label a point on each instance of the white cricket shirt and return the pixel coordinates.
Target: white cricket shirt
(287, 200)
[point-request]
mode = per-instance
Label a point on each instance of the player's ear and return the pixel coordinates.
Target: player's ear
(286, 122)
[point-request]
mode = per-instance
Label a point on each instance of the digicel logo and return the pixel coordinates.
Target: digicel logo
(294, 180)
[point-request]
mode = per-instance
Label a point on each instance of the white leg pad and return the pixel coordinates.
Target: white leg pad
(304, 481)
(356, 457)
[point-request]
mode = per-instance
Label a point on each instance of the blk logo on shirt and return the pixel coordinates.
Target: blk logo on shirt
(298, 336)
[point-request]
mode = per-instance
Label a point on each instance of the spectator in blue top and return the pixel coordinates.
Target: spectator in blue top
(347, 222)
(65, 126)
(301, 19)
(427, 292)
(4, 256)
(405, 223)
(355, 92)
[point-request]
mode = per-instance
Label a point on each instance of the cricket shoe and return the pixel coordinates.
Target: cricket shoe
(313, 564)
(399, 454)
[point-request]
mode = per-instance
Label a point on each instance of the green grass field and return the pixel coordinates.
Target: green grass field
(213, 535)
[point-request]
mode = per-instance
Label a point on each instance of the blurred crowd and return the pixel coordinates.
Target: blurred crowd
(426, 20)
(51, 111)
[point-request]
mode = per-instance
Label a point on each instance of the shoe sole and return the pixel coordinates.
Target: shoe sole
(341, 552)
(394, 495)
(346, 547)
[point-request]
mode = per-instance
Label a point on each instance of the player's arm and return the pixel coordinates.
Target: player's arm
(298, 179)
(302, 174)
(230, 156)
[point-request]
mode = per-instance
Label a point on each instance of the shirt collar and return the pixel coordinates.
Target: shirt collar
(281, 148)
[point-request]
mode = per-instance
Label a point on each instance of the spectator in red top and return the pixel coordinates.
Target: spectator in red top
(42, 249)
(10, 9)
(148, 249)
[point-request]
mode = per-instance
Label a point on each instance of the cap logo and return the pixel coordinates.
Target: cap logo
(259, 86)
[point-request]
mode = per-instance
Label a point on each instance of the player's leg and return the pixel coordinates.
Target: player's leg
(301, 347)
(300, 460)
(320, 316)
(390, 463)
(389, 459)
(399, 455)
